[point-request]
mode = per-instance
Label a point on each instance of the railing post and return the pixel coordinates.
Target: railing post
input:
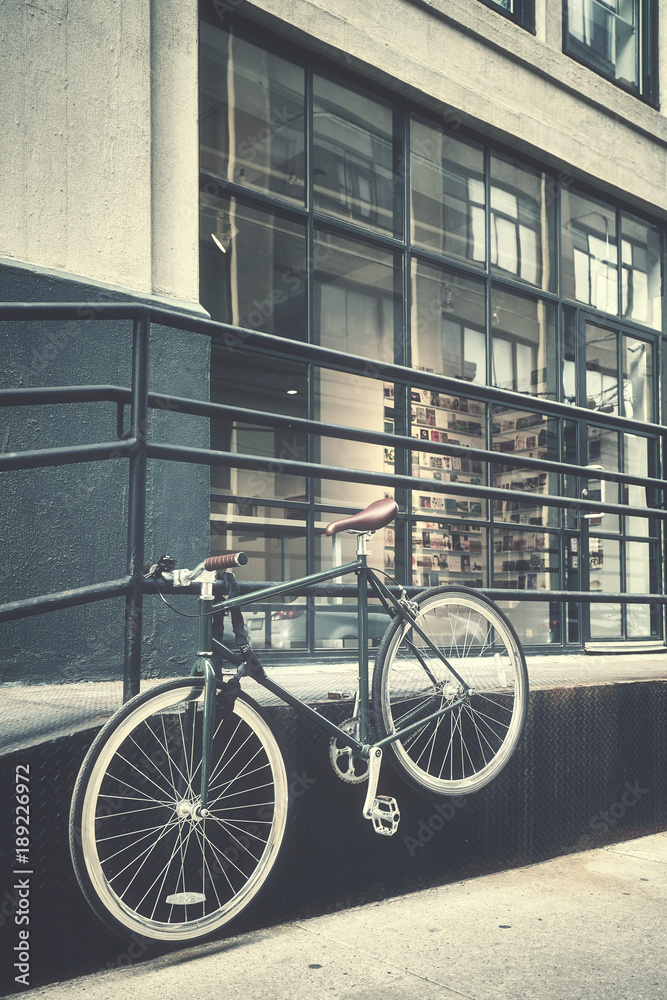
(136, 506)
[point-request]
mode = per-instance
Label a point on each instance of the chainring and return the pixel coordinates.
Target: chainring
(347, 766)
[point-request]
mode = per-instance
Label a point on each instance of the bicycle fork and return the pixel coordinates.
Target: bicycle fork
(186, 786)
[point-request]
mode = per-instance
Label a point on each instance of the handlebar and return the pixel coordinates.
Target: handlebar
(164, 568)
(226, 562)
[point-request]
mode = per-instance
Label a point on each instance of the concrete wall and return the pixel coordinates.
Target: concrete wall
(469, 62)
(99, 155)
(99, 200)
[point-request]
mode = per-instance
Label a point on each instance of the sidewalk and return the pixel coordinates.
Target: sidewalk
(587, 926)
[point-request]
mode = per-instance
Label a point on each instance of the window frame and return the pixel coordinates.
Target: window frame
(647, 89)
(523, 13)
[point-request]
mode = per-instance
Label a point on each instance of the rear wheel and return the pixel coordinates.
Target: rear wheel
(146, 859)
(473, 664)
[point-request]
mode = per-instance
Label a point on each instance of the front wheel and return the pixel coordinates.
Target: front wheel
(146, 858)
(473, 665)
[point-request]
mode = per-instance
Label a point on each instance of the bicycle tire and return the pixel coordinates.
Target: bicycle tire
(463, 750)
(145, 863)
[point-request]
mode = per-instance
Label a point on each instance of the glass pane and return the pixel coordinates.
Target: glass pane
(639, 580)
(605, 33)
(355, 297)
(440, 418)
(251, 117)
(448, 323)
(601, 369)
(523, 344)
(354, 303)
(603, 451)
(637, 379)
(535, 621)
(358, 402)
(444, 553)
(272, 537)
(532, 435)
(447, 193)
(336, 618)
(353, 156)
(641, 258)
(605, 575)
(570, 339)
(258, 281)
(522, 224)
(636, 452)
(247, 380)
(525, 560)
(589, 249)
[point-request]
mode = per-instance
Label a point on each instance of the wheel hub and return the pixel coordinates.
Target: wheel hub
(191, 811)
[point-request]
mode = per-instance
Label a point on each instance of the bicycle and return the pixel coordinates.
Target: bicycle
(181, 804)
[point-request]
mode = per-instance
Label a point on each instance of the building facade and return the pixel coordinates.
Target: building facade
(471, 190)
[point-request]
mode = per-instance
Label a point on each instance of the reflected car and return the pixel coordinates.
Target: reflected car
(335, 626)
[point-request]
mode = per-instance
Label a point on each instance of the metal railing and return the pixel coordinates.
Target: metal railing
(134, 446)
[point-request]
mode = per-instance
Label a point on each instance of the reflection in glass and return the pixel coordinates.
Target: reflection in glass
(605, 575)
(636, 463)
(535, 621)
(249, 381)
(259, 283)
(447, 193)
(522, 223)
(336, 619)
(603, 450)
(251, 117)
(274, 539)
(355, 297)
(353, 156)
(605, 34)
(523, 344)
(589, 251)
(354, 311)
(637, 379)
(448, 323)
(601, 369)
(638, 574)
(641, 258)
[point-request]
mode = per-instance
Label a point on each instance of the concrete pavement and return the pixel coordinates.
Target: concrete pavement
(588, 926)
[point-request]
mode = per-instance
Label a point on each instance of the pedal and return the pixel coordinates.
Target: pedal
(385, 815)
(381, 809)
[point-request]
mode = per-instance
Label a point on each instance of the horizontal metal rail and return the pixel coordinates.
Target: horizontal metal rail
(134, 446)
(29, 606)
(46, 457)
(239, 338)
(206, 456)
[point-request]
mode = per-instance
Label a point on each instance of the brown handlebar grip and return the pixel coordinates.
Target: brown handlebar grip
(227, 561)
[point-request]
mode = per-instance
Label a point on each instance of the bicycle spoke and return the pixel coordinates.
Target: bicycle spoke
(479, 680)
(157, 865)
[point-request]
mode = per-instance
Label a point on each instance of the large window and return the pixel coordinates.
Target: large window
(336, 215)
(617, 38)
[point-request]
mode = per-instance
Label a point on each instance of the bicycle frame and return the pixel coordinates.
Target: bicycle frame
(366, 578)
